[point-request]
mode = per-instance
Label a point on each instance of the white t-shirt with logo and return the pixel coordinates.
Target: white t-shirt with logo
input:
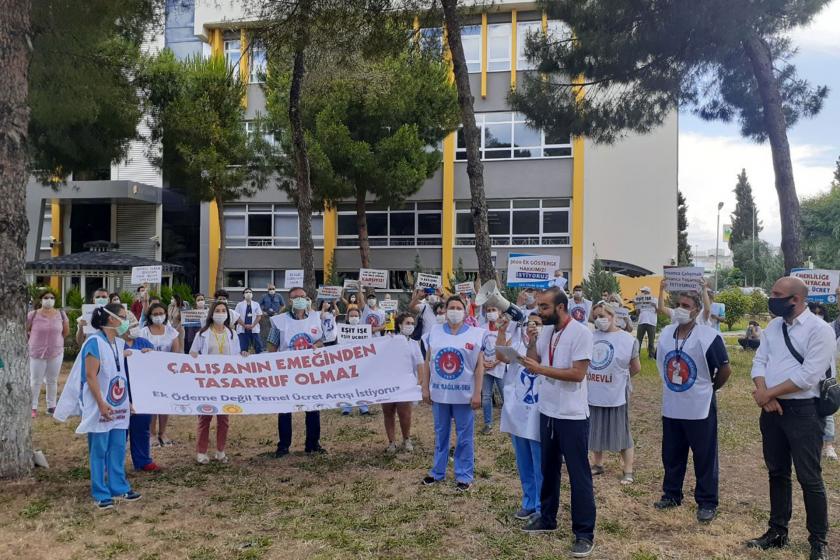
(520, 411)
(565, 400)
(373, 317)
(609, 369)
(452, 362)
(297, 334)
(580, 311)
(647, 312)
(687, 386)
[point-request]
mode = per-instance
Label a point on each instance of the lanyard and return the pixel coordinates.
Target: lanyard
(678, 348)
(116, 352)
(554, 341)
(220, 340)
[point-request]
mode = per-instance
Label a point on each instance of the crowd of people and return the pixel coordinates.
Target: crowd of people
(563, 377)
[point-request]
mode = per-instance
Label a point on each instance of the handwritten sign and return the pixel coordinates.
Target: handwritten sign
(531, 271)
(389, 305)
(683, 278)
(373, 278)
(644, 301)
(146, 274)
(428, 281)
(351, 333)
(351, 285)
(293, 279)
(464, 288)
(329, 293)
(822, 284)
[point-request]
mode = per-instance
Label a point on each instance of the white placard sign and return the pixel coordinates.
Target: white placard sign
(389, 305)
(683, 278)
(373, 278)
(822, 284)
(329, 293)
(531, 271)
(146, 274)
(352, 333)
(293, 279)
(192, 317)
(427, 281)
(351, 285)
(465, 288)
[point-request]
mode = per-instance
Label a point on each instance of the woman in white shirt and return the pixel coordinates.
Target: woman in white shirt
(405, 327)
(494, 371)
(328, 310)
(165, 338)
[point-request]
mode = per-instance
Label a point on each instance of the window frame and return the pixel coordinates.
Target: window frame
(394, 241)
(558, 205)
(227, 51)
(477, 63)
(254, 77)
(508, 41)
(513, 120)
(246, 210)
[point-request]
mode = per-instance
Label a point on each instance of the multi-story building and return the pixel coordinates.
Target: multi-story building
(546, 195)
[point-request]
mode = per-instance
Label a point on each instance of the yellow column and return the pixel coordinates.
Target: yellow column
(216, 45)
(544, 22)
(484, 55)
(513, 48)
(214, 233)
(330, 236)
(448, 207)
(58, 246)
(577, 203)
(244, 66)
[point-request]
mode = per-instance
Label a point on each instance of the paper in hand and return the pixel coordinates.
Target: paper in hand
(510, 353)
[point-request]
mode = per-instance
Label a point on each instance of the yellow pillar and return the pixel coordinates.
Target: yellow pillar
(55, 232)
(448, 208)
(544, 22)
(216, 45)
(513, 47)
(214, 233)
(244, 66)
(330, 236)
(483, 55)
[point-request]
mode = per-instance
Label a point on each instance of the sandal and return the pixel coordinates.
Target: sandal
(627, 479)
(598, 470)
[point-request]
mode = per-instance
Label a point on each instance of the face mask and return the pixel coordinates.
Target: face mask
(432, 299)
(602, 324)
(101, 301)
(142, 293)
(158, 319)
(299, 303)
(248, 296)
(134, 333)
(220, 318)
(529, 300)
(455, 316)
(272, 292)
(123, 328)
(117, 301)
(407, 330)
(353, 320)
(492, 316)
(200, 304)
(779, 306)
(681, 316)
(578, 294)
(372, 302)
(441, 319)
(48, 303)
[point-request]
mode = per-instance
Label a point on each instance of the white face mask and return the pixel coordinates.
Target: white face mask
(200, 304)
(371, 302)
(602, 324)
(529, 300)
(578, 294)
(248, 296)
(492, 316)
(48, 303)
(353, 320)
(101, 301)
(441, 319)
(272, 292)
(158, 319)
(681, 316)
(219, 318)
(455, 316)
(134, 333)
(407, 330)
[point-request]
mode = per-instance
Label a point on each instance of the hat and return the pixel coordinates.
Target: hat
(645, 289)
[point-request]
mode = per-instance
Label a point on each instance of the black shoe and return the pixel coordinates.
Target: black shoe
(706, 515)
(463, 486)
(666, 503)
(524, 514)
(582, 548)
(319, 450)
(770, 539)
(538, 525)
(429, 480)
(281, 452)
(819, 552)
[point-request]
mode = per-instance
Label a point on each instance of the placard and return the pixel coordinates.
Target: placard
(465, 288)
(329, 293)
(644, 301)
(683, 278)
(373, 278)
(389, 305)
(822, 284)
(192, 317)
(351, 285)
(146, 274)
(352, 333)
(427, 281)
(622, 313)
(293, 279)
(87, 313)
(531, 271)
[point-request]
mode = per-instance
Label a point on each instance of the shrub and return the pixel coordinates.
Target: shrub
(165, 295)
(599, 280)
(185, 291)
(127, 297)
(74, 298)
(758, 303)
(737, 305)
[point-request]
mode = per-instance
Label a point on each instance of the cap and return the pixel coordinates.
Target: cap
(645, 289)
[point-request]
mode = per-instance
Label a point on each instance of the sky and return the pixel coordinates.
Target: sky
(711, 154)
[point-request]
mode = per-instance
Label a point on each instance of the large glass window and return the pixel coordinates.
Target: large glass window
(517, 222)
(431, 39)
(232, 52)
(413, 224)
(523, 30)
(259, 279)
(498, 47)
(267, 225)
(471, 40)
(508, 136)
(258, 62)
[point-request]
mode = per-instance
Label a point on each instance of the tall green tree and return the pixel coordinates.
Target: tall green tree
(599, 281)
(821, 228)
(835, 182)
(197, 115)
(753, 258)
(745, 222)
(643, 60)
(684, 256)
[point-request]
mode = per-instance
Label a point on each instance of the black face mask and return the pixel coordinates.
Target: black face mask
(780, 306)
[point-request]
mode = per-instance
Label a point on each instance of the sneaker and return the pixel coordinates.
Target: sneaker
(281, 452)
(51, 410)
(539, 525)
(105, 504)
(131, 496)
(202, 459)
(34, 413)
(345, 413)
(221, 457)
(319, 450)
(154, 442)
(463, 486)
(770, 539)
(408, 446)
(151, 467)
(164, 442)
(666, 503)
(582, 548)
(364, 412)
(705, 514)
(392, 448)
(524, 514)
(486, 430)
(819, 551)
(829, 452)
(429, 480)
(627, 479)
(598, 470)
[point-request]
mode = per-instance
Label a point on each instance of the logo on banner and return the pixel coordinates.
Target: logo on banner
(301, 341)
(602, 355)
(232, 409)
(206, 409)
(680, 374)
(579, 314)
(449, 363)
(181, 409)
(525, 389)
(117, 392)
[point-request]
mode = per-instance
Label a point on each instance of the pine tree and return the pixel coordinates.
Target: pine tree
(684, 256)
(835, 183)
(745, 223)
(599, 281)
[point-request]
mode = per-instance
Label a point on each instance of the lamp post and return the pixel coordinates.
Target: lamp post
(753, 244)
(717, 244)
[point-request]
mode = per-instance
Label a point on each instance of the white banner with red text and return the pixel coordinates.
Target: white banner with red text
(363, 373)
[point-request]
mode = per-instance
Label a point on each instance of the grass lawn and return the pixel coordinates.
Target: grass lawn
(358, 502)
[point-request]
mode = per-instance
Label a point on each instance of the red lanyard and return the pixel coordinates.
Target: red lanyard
(554, 341)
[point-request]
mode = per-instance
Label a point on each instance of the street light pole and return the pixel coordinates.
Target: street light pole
(717, 244)
(753, 243)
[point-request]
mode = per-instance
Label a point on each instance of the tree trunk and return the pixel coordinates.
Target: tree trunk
(220, 268)
(758, 52)
(15, 421)
(362, 228)
(301, 157)
(472, 137)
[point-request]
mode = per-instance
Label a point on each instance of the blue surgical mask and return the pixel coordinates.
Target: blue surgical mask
(300, 303)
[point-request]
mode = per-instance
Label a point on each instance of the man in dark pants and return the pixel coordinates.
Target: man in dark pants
(561, 353)
(787, 374)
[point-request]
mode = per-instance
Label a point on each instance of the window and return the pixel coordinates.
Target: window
(508, 136)
(471, 40)
(232, 53)
(46, 229)
(413, 224)
(254, 127)
(260, 279)
(498, 47)
(517, 223)
(431, 39)
(235, 279)
(267, 225)
(258, 62)
(523, 30)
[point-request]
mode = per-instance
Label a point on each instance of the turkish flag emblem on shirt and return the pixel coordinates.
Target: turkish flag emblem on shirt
(469, 346)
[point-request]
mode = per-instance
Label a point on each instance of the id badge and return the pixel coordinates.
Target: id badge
(676, 378)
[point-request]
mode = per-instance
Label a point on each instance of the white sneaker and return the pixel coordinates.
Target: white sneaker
(392, 448)
(408, 446)
(829, 452)
(221, 457)
(202, 459)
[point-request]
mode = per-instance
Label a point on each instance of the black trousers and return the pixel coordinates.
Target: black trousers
(795, 436)
(313, 430)
(751, 343)
(678, 436)
(650, 331)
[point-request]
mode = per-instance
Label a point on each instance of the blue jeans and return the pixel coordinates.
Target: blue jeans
(464, 451)
(828, 433)
(528, 463)
(107, 460)
(487, 396)
(349, 409)
(139, 432)
(248, 338)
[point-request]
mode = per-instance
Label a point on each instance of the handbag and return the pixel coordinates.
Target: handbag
(829, 400)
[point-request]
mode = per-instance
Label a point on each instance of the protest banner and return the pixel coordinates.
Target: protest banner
(424, 280)
(622, 313)
(353, 333)
(389, 305)
(531, 271)
(193, 317)
(822, 284)
(363, 373)
(683, 278)
(351, 285)
(146, 274)
(644, 301)
(464, 288)
(293, 279)
(329, 293)
(373, 278)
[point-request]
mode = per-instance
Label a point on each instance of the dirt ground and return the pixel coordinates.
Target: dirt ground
(359, 502)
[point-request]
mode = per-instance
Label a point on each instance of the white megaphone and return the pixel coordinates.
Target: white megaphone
(489, 295)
